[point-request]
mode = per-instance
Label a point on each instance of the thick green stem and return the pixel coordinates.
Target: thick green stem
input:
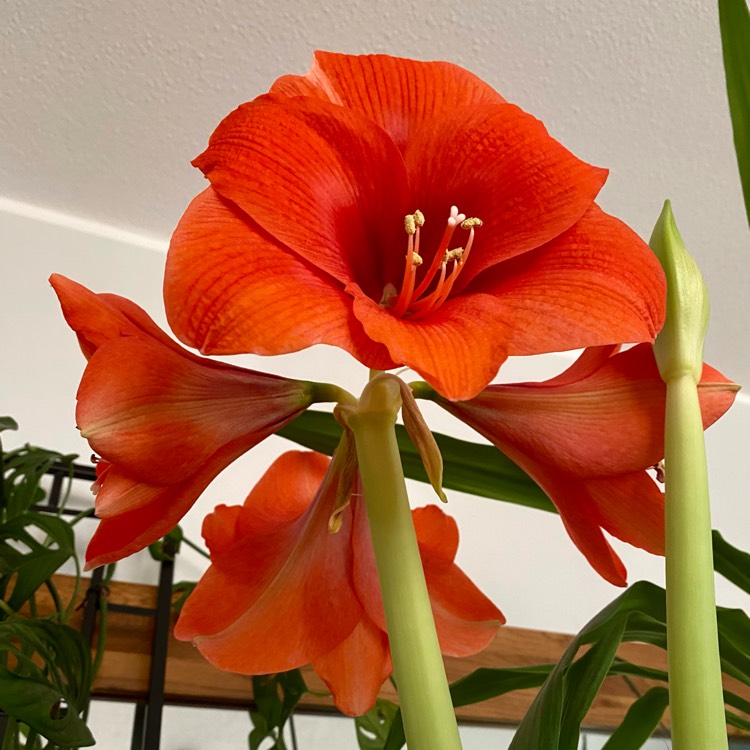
(695, 691)
(429, 720)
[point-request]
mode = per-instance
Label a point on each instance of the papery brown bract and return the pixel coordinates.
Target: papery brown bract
(309, 187)
(587, 437)
(282, 591)
(164, 421)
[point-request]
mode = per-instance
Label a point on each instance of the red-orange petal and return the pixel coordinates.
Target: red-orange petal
(160, 416)
(98, 318)
(497, 163)
(598, 283)
(356, 669)
(608, 422)
(457, 349)
(465, 619)
(400, 95)
(323, 180)
(230, 288)
(135, 514)
(279, 597)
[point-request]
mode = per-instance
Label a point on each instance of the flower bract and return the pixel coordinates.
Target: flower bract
(283, 591)
(405, 212)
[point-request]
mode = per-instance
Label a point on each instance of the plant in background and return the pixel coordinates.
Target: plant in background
(45, 665)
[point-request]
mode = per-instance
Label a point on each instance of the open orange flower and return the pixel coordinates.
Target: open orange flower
(282, 591)
(164, 421)
(587, 437)
(301, 237)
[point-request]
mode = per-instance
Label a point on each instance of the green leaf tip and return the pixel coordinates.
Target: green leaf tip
(679, 346)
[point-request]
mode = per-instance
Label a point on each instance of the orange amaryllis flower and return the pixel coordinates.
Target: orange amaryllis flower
(283, 591)
(587, 437)
(301, 237)
(164, 421)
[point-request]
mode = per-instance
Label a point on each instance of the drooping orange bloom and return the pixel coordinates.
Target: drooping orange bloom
(301, 237)
(164, 421)
(282, 591)
(587, 437)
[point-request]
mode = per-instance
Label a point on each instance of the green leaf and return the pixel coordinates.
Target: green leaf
(640, 721)
(23, 470)
(468, 467)
(734, 20)
(732, 563)
(43, 667)
(373, 727)
(8, 423)
(182, 589)
(29, 568)
(276, 697)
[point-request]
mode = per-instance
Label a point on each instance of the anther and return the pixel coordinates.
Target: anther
(410, 223)
(472, 221)
(419, 218)
(416, 260)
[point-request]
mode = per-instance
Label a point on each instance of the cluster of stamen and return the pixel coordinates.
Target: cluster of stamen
(414, 299)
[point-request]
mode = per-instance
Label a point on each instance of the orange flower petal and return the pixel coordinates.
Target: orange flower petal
(499, 164)
(135, 514)
(608, 422)
(457, 350)
(160, 416)
(465, 619)
(280, 597)
(402, 96)
(230, 288)
(356, 669)
(582, 520)
(98, 318)
(323, 180)
(597, 283)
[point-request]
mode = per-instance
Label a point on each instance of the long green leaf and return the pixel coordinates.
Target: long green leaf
(468, 467)
(734, 20)
(732, 563)
(640, 721)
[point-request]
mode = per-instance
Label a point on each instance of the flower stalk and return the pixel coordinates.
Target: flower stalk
(695, 687)
(429, 720)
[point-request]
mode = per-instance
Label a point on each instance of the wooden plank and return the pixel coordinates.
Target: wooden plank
(192, 680)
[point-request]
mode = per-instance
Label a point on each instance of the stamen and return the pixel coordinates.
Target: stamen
(410, 301)
(412, 224)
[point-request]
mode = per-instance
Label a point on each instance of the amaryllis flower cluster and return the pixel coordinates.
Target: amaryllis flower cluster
(282, 592)
(405, 212)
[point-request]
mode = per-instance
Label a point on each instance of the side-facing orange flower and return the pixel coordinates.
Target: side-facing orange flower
(164, 421)
(282, 591)
(587, 437)
(301, 237)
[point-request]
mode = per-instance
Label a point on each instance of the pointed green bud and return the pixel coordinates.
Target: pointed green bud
(679, 346)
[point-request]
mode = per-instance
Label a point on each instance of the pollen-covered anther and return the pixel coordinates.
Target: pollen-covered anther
(410, 224)
(416, 260)
(472, 221)
(455, 254)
